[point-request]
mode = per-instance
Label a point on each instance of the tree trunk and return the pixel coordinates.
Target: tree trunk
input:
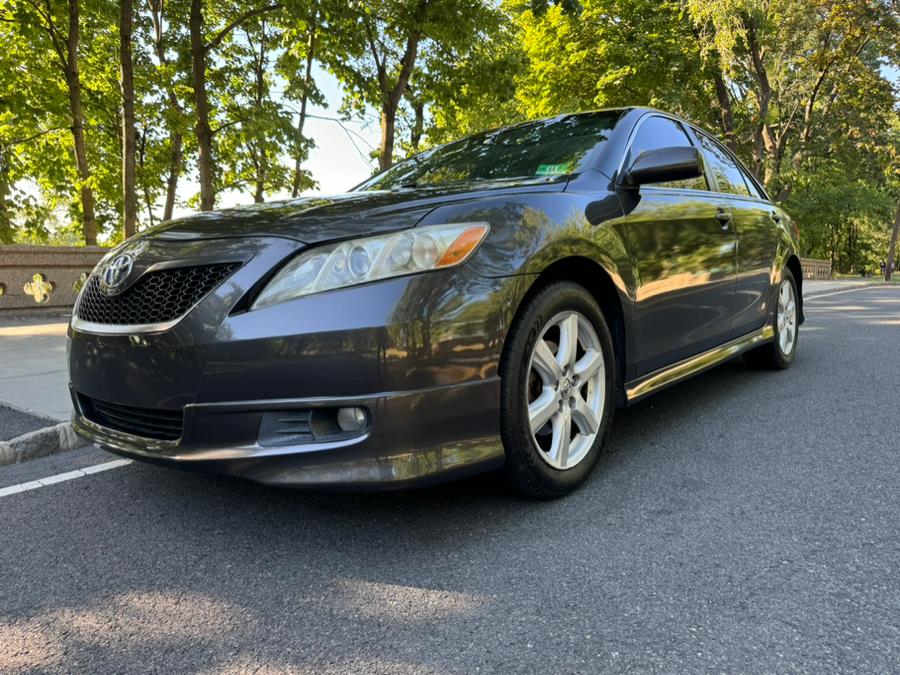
(415, 135)
(174, 173)
(176, 138)
(391, 96)
(727, 116)
(141, 160)
(201, 105)
(129, 196)
(386, 147)
(307, 83)
(260, 152)
(259, 195)
(892, 251)
(73, 84)
(6, 224)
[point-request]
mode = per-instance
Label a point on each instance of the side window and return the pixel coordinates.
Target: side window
(751, 185)
(728, 175)
(660, 132)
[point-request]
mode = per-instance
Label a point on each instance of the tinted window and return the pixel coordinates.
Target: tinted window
(660, 132)
(551, 147)
(728, 174)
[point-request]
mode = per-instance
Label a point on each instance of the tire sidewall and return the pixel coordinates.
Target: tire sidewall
(521, 450)
(784, 360)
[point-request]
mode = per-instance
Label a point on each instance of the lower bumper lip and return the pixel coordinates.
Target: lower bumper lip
(416, 438)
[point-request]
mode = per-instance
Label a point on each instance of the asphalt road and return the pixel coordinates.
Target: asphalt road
(743, 521)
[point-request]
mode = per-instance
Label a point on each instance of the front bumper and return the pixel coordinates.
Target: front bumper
(415, 438)
(419, 353)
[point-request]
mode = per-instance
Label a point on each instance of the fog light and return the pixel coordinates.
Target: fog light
(351, 419)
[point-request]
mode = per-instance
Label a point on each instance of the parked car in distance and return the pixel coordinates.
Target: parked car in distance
(485, 304)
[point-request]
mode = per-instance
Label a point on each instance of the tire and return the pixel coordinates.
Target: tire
(542, 464)
(779, 354)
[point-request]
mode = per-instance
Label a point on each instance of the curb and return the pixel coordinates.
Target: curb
(40, 443)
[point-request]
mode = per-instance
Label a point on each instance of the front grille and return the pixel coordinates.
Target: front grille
(164, 425)
(157, 297)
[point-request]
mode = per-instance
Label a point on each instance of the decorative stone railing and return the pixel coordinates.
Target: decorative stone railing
(38, 280)
(815, 269)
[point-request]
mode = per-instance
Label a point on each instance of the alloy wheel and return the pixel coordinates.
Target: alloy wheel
(566, 389)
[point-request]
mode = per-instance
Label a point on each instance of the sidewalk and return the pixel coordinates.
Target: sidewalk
(33, 375)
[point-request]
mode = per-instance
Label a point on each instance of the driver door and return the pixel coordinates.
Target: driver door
(681, 238)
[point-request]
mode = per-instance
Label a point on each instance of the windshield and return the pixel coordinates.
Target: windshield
(546, 148)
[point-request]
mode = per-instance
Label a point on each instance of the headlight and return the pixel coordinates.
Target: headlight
(358, 261)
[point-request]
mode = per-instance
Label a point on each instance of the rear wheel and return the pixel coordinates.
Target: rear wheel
(780, 353)
(557, 379)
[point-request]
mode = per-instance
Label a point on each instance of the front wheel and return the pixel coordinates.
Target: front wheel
(557, 379)
(780, 353)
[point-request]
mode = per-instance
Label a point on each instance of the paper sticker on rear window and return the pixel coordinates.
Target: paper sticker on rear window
(551, 169)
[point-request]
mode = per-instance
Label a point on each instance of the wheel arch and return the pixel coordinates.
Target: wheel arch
(599, 283)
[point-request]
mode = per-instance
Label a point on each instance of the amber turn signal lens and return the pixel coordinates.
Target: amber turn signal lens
(462, 246)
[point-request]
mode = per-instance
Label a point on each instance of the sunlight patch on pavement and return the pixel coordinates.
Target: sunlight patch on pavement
(338, 666)
(136, 618)
(374, 599)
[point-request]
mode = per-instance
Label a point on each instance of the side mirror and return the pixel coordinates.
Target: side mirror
(662, 165)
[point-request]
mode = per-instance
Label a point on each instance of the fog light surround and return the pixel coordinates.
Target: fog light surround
(352, 420)
(309, 426)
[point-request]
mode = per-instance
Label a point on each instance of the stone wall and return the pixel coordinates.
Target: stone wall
(43, 280)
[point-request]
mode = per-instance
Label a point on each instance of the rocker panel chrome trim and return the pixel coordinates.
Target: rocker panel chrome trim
(682, 370)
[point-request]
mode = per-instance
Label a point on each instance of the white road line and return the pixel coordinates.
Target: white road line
(62, 477)
(846, 290)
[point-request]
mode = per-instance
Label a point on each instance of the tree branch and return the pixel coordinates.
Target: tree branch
(249, 14)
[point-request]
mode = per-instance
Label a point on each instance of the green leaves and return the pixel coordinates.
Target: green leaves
(795, 86)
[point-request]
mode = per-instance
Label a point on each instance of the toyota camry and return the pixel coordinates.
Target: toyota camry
(483, 305)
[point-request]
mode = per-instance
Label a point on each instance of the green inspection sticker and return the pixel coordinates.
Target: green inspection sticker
(551, 169)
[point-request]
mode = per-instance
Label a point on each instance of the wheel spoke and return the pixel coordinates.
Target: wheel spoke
(568, 341)
(589, 364)
(545, 363)
(541, 409)
(562, 428)
(584, 417)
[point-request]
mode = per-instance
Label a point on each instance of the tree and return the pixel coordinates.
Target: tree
(304, 37)
(612, 52)
(162, 24)
(475, 90)
(383, 41)
(255, 128)
(129, 196)
(200, 49)
(786, 61)
(892, 249)
(64, 43)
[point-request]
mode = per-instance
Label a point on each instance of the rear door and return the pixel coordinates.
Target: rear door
(754, 227)
(684, 250)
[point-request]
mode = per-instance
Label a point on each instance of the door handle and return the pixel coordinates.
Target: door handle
(724, 217)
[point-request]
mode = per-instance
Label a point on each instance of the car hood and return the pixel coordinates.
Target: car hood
(314, 220)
